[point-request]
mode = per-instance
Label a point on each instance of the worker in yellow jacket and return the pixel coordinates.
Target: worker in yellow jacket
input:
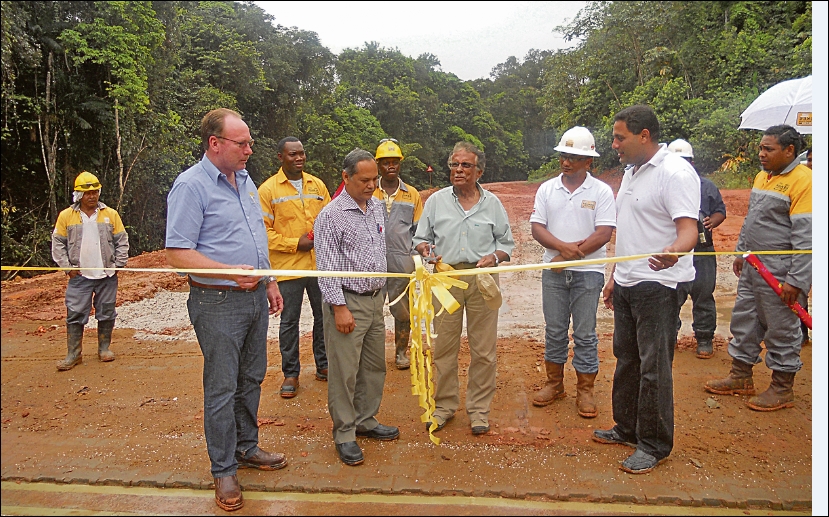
(291, 200)
(89, 234)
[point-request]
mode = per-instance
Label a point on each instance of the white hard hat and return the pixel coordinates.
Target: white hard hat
(682, 148)
(577, 140)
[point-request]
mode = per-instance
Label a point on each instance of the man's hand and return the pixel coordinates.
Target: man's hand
(245, 281)
(789, 294)
(343, 319)
(274, 298)
(663, 261)
(557, 258)
(571, 251)
(73, 273)
(737, 267)
(607, 293)
(305, 244)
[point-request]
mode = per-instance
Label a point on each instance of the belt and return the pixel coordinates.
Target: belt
(220, 287)
(367, 293)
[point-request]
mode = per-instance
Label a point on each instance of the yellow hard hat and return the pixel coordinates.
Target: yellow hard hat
(86, 181)
(388, 148)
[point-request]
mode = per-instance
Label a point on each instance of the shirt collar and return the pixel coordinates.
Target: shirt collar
(214, 173)
(794, 163)
(281, 177)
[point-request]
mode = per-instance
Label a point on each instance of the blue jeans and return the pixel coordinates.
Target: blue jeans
(576, 293)
(701, 290)
(644, 335)
(232, 329)
(292, 291)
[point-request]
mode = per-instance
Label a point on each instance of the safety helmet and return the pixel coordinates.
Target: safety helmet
(577, 140)
(388, 148)
(86, 181)
(682, 148)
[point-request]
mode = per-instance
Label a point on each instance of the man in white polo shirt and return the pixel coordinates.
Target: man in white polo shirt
(573, 218)
(656, 213)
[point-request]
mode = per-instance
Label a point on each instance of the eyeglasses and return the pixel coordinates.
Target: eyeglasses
(89, 186)
(464, 165)
(389, 140)
(572, 158)
(240, 144)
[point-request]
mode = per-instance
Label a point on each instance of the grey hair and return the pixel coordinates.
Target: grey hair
(470, 148)
(353, 158)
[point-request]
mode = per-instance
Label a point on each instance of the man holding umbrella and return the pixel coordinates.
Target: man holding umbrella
(779, 218)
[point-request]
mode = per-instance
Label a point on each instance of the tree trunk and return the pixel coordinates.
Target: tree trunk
(49, 139)
(118, 154)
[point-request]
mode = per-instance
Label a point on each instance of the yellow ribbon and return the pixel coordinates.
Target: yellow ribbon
(422, 287)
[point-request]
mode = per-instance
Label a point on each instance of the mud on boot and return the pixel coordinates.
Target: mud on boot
(554, 387)
(779, 395)
(104, 340)
(739, 381)
(74, 343)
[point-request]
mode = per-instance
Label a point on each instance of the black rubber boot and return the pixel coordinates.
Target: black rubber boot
(74, 343)
(104, 340)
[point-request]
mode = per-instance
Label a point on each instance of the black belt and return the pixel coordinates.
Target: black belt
(220, 287)
(367, 293)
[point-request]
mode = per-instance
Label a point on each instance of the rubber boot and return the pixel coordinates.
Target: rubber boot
(402, 331)
(74, 343)
(104, 339)
(705, 348)
(738, 382)
(554, 387)
(778, 396)
(584, 395)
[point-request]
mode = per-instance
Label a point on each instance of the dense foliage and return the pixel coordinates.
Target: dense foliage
(119, 88)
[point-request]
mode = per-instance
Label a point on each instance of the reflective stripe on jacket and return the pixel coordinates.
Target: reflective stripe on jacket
(289, 215)
(68, 234)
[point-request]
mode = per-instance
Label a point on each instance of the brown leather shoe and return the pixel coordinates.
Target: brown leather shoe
(289, 387)
(263, 460)
(322, 375)
(228, 493)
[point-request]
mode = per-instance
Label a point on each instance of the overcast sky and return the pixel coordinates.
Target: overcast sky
(469, 39)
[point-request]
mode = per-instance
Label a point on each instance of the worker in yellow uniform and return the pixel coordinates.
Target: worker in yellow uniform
(291, 200)
(403, 208)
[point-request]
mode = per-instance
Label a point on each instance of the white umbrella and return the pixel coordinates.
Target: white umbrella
(789, 102)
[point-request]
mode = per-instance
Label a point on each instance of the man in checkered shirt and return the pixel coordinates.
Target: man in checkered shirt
(349, 235)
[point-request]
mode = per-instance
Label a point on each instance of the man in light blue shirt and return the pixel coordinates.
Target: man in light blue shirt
(214, 221)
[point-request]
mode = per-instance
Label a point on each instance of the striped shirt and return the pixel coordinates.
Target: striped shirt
(348, 239)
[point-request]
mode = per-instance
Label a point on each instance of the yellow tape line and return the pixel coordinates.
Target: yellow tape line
(423, 288)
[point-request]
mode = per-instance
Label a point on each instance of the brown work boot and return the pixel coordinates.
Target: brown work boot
(104, 339)
(584, 395)
(262, 460)
(402, 330)
(778, 396)
(738, 382)
(228, 493)
(554, 387)
(74, 343)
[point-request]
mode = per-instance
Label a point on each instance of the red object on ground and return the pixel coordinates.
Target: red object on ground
(775, 284)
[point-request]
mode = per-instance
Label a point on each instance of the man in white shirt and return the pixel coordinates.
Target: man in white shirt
(573, 218)
(656, 213)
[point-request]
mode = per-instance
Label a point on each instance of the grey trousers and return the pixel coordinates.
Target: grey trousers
(356, 366)
(82, 293)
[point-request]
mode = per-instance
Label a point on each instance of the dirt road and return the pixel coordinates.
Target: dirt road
(138, 421)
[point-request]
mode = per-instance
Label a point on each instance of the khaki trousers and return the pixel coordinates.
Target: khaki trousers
(482, 332)
(356, 366)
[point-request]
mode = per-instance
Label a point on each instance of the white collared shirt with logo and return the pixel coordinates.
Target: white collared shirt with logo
(573, 216)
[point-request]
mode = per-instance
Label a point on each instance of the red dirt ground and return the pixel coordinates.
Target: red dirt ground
(141, 415)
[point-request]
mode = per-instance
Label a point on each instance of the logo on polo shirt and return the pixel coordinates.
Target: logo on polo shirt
(590, 205)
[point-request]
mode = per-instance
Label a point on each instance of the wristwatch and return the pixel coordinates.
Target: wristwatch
(496, 258)
(269, 279)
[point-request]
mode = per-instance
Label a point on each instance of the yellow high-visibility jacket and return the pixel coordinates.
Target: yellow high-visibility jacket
(289, 215)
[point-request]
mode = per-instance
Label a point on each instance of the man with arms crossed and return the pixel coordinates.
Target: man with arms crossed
(573, 218)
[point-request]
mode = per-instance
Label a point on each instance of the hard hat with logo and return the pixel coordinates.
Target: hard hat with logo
(682, 148)
(86, 181)
(577, 140)
(388, 148)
